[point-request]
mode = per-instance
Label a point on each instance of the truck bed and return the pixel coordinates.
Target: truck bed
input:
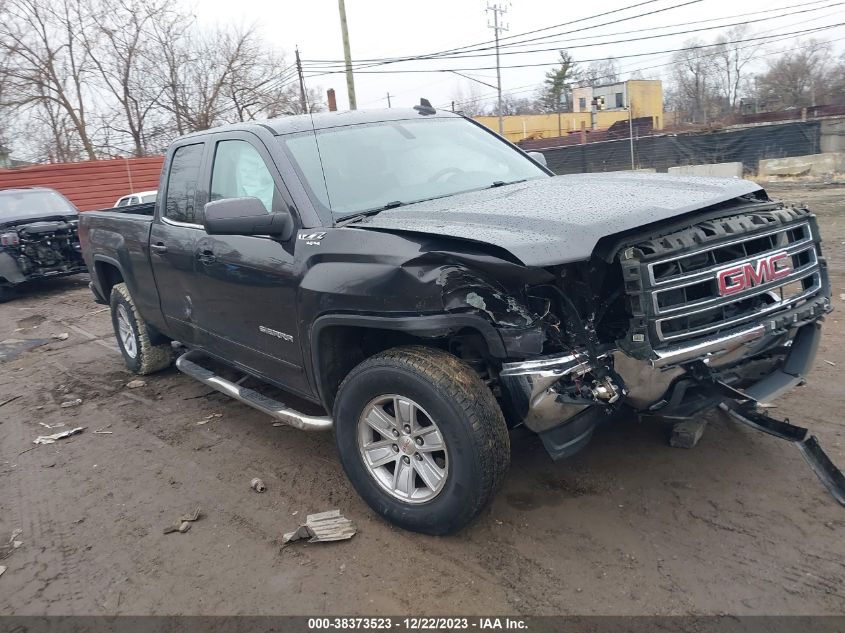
(121, 239)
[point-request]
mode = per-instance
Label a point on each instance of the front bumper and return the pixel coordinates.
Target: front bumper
(539, 391)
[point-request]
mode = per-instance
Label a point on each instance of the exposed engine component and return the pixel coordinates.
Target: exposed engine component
(606, 390)
(46, 246)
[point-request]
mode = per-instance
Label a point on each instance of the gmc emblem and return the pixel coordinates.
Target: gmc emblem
(738, 278)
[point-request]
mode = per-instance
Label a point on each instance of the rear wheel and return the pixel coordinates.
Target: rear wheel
(421, 438)
(139, 354)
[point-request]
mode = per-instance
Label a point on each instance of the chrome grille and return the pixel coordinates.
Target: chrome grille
(684, 294)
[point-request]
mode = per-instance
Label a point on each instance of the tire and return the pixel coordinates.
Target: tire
(449, 396)
(7, 293)
(139, 354)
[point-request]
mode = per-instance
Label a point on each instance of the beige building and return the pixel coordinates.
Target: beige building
(645, 96)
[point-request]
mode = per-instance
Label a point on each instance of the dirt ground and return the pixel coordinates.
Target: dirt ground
(738, 525)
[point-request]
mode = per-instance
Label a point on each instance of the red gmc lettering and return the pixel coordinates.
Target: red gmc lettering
(738, 278)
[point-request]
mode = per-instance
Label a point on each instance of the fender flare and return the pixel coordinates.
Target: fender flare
(95, 274)
(428, 325)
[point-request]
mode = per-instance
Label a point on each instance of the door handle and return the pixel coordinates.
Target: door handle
(158, 248)
(206, 257)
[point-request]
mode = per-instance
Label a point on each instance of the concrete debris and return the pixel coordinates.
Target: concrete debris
(831, 363)
(183, 524)
(210, 417)
(2, 569)
(135, 384)
(102, 430)
(321, 528)
(687, 433)
(51, 439)
(842, 294)
(6, 549)
(61, 337)
(71, 403)
(257, 485)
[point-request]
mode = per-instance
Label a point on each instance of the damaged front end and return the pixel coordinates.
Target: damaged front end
(565, 383)
(38, 249)
(726, 310)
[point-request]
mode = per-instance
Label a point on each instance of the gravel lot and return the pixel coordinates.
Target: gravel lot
(738, 525)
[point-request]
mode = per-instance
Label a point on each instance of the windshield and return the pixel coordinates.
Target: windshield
(149, 198)
(33, 203)
(367, 167)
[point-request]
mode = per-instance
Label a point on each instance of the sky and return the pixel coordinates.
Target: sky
(391, 28)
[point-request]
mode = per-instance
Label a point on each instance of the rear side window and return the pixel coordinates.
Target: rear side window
(240, 172)
(180, 205)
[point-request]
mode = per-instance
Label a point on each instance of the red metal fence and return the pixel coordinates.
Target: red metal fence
(89, 185)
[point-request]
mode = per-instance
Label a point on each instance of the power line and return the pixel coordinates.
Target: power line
(598, 59)
(638, 39)
(441, 54)
(719, 26)
(532, 87)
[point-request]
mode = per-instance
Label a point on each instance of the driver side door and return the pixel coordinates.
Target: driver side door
(246, 306)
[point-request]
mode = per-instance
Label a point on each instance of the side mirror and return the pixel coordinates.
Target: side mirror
(539, 157)
(246, 216)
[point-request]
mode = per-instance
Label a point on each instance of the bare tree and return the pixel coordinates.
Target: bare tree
(269, 88)
(88, 78)
(693, 79)
(603, 72)
(798, 79)
(512, 105)
(50, 65)
(730, 64)
(468, 99)
(125, 56)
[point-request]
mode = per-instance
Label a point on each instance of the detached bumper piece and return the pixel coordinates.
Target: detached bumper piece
(825, 469)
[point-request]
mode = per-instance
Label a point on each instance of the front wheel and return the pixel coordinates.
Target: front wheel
(421, 438)
(139, 354)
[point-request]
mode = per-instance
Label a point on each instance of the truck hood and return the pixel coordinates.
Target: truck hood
(30, 217)
(560, 219)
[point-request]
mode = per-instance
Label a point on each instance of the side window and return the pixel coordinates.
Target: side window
(122, 202)
(180, 204)
(240, 172)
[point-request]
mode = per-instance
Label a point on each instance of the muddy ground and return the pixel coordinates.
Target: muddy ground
(630, 526)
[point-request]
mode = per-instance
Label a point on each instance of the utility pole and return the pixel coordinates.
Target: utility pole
(302, 99)
(347, 56)
(497, 26)
(388, 99)
(631, 130)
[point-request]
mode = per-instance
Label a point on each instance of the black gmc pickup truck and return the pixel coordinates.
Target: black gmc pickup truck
(428, 286)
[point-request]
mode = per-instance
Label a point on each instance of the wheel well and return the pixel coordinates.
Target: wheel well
(341, 347)
(109, 276)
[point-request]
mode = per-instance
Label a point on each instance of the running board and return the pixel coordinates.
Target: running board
(825, 469)
(187, 364)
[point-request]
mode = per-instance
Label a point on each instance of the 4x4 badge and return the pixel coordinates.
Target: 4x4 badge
(311, 238)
